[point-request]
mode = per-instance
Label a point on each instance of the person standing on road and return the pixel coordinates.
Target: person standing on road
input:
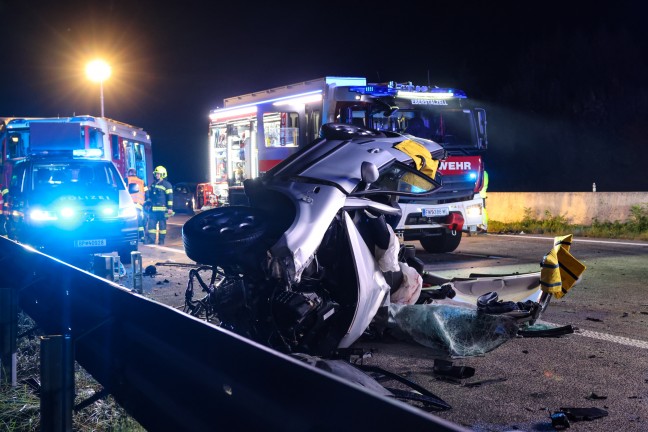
(484, 194)
(138, 198)
(160, 195)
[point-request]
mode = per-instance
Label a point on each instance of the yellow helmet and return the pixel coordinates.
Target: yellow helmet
(160, 170)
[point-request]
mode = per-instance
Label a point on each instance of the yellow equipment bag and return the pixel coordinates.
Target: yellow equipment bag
(559, 269)
(421, 156)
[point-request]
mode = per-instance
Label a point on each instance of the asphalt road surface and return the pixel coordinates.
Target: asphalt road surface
(603, 364)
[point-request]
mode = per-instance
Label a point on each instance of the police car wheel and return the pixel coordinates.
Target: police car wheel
(218, 236)
(446, 242)
(125, 255)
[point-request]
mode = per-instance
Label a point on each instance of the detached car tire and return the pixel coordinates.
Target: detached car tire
(218, 236)
(446, 242)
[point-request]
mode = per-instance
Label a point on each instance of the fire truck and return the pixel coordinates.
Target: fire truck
(254, 132)
(125, 145)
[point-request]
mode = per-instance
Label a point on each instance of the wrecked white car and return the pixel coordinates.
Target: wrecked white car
(307, 266)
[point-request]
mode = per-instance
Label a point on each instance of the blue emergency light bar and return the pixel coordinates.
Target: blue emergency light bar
(393, 89)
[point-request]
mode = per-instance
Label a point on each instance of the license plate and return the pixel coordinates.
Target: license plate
(440, 211)
(90, 243)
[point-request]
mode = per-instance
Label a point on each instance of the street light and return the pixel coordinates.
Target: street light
(99, 71)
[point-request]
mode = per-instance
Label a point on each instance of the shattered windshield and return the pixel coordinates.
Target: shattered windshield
(401, 179)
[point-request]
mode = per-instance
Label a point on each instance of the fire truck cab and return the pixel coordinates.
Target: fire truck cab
(254, 132)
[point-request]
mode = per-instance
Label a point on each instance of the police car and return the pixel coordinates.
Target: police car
(71, 206)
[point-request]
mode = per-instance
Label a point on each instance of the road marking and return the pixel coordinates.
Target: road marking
(580, 240)
(616, 339)
(607, 337)
(168, 249)
(477, 255)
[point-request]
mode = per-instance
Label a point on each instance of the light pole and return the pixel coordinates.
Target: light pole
(99, 71)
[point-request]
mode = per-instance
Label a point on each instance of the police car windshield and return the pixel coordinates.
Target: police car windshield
(77, 174)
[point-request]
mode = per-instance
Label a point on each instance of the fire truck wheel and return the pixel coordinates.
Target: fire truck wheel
(219, 235)
(446, 242)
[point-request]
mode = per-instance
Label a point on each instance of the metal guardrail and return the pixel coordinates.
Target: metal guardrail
(171, 371)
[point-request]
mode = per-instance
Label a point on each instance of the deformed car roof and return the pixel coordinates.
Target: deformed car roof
(338, 159)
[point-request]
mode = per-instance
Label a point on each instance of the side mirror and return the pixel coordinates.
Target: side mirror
(368, 172)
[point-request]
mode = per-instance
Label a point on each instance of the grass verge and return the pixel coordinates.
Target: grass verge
(635, 228)
(20, 405)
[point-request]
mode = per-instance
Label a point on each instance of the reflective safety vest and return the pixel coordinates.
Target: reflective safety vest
(138, 197)
(484, 190)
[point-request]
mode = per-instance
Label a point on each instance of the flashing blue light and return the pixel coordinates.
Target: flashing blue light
(108, 211)
(472, 175)
(67, 212)
(392, 89)
(91, 152)
(374, 90)
(42, 215)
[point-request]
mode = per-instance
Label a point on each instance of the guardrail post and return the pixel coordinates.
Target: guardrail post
(8, 332)
(136, 272)
(57, 383)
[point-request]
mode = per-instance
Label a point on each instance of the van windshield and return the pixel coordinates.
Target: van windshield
(77, 174)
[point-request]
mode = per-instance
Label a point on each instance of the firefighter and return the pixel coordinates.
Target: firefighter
(138, 198)
(160, 195)
(484, 194)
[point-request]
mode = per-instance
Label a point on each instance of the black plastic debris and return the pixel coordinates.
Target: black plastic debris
(550, 332)
(559, 420)
(594, 396)
(34, 384)
(446, 369)
(584, 414)
(484, 382)
(420, 394)
(491, 304)
(445, 291)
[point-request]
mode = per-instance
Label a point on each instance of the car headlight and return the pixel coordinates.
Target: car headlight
(128, 212)
(42, 215)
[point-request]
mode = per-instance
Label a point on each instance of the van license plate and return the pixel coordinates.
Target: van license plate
(90, 243)
(431, 212)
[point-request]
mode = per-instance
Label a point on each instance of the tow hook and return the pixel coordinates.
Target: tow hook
(455, 222)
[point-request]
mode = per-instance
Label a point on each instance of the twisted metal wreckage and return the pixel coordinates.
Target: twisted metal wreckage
(313, 260)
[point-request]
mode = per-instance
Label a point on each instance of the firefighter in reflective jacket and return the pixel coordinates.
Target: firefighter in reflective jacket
(138, 200)
(484, 194)
(160, 195)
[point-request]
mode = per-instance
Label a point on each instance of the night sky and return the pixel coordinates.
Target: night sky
(564, 85)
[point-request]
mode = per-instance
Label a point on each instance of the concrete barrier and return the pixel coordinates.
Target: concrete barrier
(577, 207)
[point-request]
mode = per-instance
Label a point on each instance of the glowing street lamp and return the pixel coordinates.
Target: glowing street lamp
(99, 71)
